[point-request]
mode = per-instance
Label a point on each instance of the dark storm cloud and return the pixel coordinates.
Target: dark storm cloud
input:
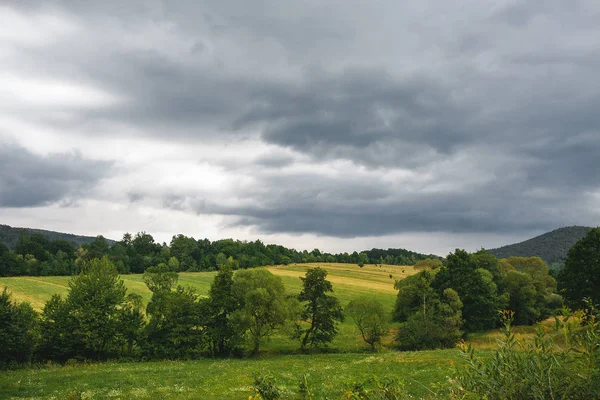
(29, 180)
(506, 95)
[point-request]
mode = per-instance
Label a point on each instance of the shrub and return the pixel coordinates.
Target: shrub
(18, 328)
(539, 370)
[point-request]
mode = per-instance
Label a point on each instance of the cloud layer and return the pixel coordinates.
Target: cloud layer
(330, 122)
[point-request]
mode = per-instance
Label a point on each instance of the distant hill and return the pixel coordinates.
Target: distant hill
(10, 235)
(552, 247)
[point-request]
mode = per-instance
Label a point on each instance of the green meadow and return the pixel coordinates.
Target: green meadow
(348, 360)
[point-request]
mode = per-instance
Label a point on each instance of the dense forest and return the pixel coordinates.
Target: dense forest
(10, 235)
(552, 247)
(36, 254)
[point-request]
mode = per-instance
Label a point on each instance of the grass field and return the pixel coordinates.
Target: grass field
(231, 378)
(226, 379)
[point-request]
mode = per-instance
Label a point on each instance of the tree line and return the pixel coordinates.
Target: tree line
(36, 255)
(99, 320)
(435, 308)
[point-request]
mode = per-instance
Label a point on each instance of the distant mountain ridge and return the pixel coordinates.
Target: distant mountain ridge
(9, 236)
(552, 247)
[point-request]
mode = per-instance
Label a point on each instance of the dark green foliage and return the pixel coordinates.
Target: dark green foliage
(370, 319)
(50, 253)
(537, 370)
(18, 330)
(220, 330)
(530, 289)
(173, 329)
(429, 320)
(265, 388)
(476, 288)
(552, 247)
(9, 236)
(57, 331)
(95, 320)
(580, 277)
(320, 311)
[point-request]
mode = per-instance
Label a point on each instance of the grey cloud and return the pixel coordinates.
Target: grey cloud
(275, 161)
(342, 83)
(29, 180)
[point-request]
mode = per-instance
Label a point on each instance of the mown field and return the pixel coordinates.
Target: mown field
(348, 362)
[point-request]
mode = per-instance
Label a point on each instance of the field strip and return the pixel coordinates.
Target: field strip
(44, 282)
(387, 287)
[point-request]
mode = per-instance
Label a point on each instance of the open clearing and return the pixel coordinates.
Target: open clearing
(227, 378)
(349, 361)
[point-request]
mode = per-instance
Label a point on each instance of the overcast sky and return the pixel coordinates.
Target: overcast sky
(342, 125)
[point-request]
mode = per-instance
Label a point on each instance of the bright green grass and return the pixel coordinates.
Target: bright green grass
(228, 378)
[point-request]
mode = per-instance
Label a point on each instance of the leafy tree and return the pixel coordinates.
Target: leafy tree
(96, 249)
(220, 330)
(580, 278)
(321, 311)
(476, 288)
(370, 319)
(132, 320)
(57, 331)
(522, 297)
(173, 330)
(363, 259)
(95, 300)
(263, 304)
(530, 288)
(18, 330)
(89, 322)
(160, 278)
(430, 319)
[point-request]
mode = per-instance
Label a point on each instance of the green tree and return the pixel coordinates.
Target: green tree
(363, 259)
(18, 330)
(429, 319)
(263, 304)
(476, 288)
(580, 278)
(370, 319)
(95, 301)
(221, 333)
(173, 329)
(531, 289)
(321, 311)
(89, 323)
(57, 331)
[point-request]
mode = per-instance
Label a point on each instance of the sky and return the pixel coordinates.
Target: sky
(341, 125)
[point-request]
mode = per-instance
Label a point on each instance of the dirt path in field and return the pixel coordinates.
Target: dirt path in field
(44, 282)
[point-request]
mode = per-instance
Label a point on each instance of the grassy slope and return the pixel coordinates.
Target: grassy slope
(348, 281)
(231, 378)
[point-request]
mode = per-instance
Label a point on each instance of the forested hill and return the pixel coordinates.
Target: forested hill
(10, 235)
(36, 252)
(552, 247)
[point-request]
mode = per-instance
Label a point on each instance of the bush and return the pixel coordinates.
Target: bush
(264, 387)
(18, 331)
(538, 370)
